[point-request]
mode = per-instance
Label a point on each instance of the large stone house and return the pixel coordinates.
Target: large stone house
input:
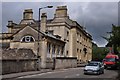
(58, 37)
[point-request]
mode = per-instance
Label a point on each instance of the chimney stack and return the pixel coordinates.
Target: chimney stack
(43, 22)
(61, 11)
(28, 14)
(10, 26)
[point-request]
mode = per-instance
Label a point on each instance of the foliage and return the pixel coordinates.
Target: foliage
(114, 39)
(99, 53)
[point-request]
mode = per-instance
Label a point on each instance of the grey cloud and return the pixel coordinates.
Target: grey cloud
(14, 10)
(97, 17)
(102, 15)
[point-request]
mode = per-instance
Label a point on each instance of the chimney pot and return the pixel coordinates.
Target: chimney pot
(43, 15)
(10, 23)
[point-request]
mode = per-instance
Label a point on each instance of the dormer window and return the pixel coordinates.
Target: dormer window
(27, 39)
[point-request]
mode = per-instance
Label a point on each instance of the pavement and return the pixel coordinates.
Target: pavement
(15, 75)
(81, 65)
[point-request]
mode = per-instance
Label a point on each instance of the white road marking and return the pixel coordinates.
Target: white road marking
(66, 76)
(72, 76)
(28, 76)
(77, 74)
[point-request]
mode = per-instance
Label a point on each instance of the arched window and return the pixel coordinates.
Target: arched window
(27, 39)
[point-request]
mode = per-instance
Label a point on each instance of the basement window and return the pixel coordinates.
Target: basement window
(27, 39)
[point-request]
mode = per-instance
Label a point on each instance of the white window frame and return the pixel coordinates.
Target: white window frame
(27, 39)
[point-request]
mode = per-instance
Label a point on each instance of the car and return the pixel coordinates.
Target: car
(94, 67)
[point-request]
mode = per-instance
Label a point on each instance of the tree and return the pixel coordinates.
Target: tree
(114, 39)
(99, 53)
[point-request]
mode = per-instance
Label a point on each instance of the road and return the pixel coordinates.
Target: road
(69, 73)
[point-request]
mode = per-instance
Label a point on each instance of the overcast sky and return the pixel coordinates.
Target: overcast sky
(97, 17)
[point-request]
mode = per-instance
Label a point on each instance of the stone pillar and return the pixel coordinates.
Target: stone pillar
(48, 49)
(62, 51)
(60, 48)
(72, 41)
(56, 50)
(43, 22)
(43, 54)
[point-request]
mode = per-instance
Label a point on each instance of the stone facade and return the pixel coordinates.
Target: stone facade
(78, 41)
(59, 37)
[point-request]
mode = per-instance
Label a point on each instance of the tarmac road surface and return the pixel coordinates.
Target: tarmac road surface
(70, 74)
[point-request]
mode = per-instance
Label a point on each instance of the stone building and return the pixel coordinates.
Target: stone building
(59, 37)
(78, 41)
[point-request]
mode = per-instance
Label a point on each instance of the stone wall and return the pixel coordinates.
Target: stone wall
(20, 53)
(18, 65)
(61, 63)
(49, 63)
(65, 62)
(18, 60)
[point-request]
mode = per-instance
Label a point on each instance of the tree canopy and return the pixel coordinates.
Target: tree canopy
(114, 39)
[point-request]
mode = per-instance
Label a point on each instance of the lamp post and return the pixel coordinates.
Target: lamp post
(39, 29)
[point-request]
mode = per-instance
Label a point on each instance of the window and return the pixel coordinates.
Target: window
(80, 50)
(67, 36)
(77, 50)
(27, 39)
(67, 53)
(48, 47)
(80, 35)
(62, 50)
(77, 34)
(67, 33)
(53, 49)
(77, 37)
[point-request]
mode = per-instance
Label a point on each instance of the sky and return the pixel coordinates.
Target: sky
(96, 17)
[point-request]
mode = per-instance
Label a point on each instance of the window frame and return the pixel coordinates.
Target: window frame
(27, 39)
